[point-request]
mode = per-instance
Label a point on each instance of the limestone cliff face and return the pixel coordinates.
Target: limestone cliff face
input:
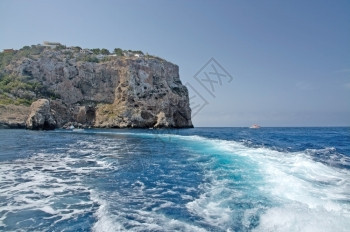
(119, 93)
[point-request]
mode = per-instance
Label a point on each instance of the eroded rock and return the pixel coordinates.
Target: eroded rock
(122, 92)
(13, 116)
(40, 117)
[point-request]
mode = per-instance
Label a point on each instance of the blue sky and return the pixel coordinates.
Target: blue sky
(290, 60)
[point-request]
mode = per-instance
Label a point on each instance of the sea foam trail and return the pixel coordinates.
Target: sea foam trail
(301, 194)
(306, 195)
(46, 190)
(243, 188)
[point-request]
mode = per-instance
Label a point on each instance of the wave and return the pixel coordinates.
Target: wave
(299, 191)
(46, 191)
(243, 187)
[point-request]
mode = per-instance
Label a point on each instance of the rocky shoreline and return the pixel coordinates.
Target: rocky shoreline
(13, 117)
(121, 92)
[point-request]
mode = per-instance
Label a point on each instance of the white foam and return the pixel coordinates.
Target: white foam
(42, 181)
(306, 195)
(118, 220)
(48, 209)
(317, 191)
(298, 217)
(106, 221)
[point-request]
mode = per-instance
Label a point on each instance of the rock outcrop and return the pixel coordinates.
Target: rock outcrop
(123, 92)
(13, 117)
(40, 117)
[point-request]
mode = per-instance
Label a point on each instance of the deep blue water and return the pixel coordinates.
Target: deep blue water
(202, 179)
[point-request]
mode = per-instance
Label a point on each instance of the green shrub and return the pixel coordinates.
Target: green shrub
(5, 59)
(105, 51)
(118, 52)
(10, 85)
(96, 51)
(89, 58)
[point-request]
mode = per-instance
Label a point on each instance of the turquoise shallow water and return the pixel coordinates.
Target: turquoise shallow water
(202, 179)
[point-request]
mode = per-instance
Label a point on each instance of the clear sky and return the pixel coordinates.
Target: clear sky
(290, 60)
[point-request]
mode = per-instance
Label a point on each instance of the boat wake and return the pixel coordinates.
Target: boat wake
(119, 181)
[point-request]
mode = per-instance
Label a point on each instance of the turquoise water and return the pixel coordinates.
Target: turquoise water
(202, 179)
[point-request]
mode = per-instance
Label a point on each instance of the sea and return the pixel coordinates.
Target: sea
(199, 179)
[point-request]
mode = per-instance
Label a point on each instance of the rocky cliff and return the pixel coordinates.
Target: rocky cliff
(116, 92)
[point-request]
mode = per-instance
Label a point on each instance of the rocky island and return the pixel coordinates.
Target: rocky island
(53, 86)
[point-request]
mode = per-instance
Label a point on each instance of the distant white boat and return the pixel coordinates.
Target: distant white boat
(78, 129)
(254, 126)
